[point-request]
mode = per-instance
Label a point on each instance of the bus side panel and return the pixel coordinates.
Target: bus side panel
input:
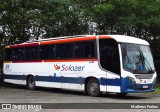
(66, 75)
(17, 72)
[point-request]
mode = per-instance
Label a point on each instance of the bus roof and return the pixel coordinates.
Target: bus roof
(129, 39)
(118, 38)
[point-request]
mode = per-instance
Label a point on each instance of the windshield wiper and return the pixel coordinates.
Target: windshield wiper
(144, 59)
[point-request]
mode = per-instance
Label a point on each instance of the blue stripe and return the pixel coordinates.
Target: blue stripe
(113, 82)
(74, 80)
(17, 77)
(42, 78)
(70, 80)
(60, 79)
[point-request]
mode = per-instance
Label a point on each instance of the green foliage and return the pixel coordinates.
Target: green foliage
(56, 17)
(69, 17)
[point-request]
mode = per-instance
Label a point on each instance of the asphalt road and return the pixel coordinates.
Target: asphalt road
(19, 94)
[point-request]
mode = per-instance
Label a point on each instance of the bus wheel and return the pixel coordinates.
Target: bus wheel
(31, 83)
(93, 87)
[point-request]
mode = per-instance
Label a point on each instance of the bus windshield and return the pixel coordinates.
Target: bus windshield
(137, 58)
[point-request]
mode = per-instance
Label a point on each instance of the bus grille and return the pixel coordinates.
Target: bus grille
(140, 87)
(144, 76)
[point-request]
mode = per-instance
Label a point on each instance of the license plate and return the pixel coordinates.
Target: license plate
(145, 87)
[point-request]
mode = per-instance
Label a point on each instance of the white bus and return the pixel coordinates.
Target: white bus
(89, 63)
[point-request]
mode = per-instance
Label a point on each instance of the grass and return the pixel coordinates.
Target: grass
(157, 91)
(2, 87)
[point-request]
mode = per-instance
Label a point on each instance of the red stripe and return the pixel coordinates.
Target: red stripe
(104, 36)
(70, 60)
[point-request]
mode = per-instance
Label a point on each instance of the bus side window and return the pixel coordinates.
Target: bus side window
(20, 53)
(51, 52)
(43, 52)
(80, 50)
(7, 56)
(85, 50)
(90, 49)
(14, 53)
(60, 50)
(31, 53)
(69, 50)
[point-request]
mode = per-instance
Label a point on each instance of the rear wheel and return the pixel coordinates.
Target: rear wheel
(93, 88)
(31, 83)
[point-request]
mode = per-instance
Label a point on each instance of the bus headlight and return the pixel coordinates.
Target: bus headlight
(131, 79)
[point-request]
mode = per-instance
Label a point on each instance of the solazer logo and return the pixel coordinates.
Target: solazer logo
(72, 68)
(69, 67)
(56, 67)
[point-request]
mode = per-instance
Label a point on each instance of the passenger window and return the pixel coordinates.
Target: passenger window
(14, 54)
(89, 49)
(80, 50)
(50, 52)
(69, 50)
(60, 50)
(7, 56)
(32, 53)
(43, 52)
(20, 53)
(85, 50)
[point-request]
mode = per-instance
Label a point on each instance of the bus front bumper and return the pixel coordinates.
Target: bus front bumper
(127, 86)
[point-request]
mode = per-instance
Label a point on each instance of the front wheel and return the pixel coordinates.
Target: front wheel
(93, 88)
(31, 83)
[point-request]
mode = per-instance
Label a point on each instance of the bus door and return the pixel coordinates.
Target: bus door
(110, 61)
(55, 78)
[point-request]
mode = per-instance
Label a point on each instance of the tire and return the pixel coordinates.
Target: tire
(31, 83)
(93, 88)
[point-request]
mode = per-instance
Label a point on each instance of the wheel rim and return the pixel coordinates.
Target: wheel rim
(94, 88)
(31, 83)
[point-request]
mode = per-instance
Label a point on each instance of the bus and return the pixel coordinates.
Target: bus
(93, 64)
